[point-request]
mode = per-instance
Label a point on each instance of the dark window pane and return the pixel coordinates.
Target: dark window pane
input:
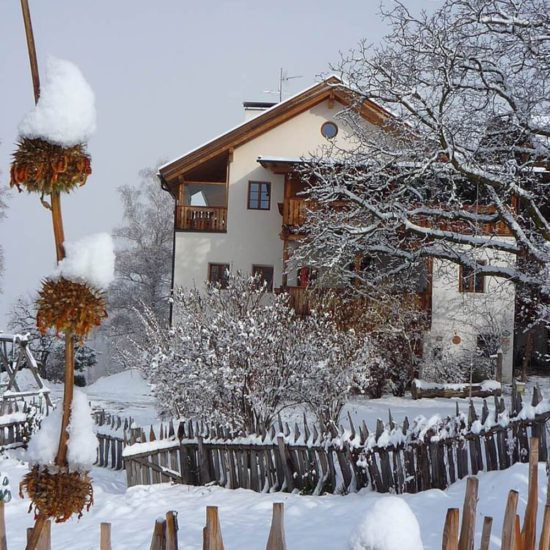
(265, 273)
(218, 274)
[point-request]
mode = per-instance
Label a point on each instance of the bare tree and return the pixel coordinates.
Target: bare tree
(143, 260)
(464, 153)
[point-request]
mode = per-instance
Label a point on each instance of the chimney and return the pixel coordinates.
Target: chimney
(254, 108)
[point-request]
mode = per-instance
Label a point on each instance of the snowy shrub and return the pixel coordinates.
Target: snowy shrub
(239, 355)
(389, 524)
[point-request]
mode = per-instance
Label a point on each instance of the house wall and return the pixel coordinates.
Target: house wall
(467, 314)
(252, 236)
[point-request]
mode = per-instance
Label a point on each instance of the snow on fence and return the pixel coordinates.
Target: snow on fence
(19, 421)
(409, 458)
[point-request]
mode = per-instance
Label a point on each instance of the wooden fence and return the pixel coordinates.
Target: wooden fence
(19, 421)
(407, 458)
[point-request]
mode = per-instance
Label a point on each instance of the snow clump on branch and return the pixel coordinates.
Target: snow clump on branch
(65, 113)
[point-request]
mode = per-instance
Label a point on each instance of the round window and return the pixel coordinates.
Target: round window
(329, 130)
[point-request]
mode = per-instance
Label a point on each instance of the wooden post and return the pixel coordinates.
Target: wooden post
(486, 533)
(467, 530)
(529, 533)
(3, 538)
(105, 536)
(500, 358)
(45, 540)
(508, 526)
(450, 531)
(517, 534)
(33, 533)
(158, 541)
(171, 530)
(212, 535)
(276, 540)
(544, 543)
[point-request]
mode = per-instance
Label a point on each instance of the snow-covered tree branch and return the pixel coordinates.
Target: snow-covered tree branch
(240, 355)
(461, 170)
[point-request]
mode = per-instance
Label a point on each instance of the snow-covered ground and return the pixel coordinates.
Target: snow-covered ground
(325, 522)
(316, 523)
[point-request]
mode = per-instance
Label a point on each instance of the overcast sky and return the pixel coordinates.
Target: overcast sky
(167, 75)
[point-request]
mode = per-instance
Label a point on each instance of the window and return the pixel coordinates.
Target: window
(265, 273)
(329, 130)
(470, 281)
(259, 195)
(218, 274)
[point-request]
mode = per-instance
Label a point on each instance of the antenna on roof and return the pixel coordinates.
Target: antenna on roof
(283, 77)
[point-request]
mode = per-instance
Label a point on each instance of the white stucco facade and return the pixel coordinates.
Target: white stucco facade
(252, 236)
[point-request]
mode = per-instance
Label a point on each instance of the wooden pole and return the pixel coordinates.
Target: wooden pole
(544, 543)
(508, 526)
(276, 540)
(171, 531)
(212, 535)
(467, 530)
(450, 531)
(105, 536)
(529, 533)
(45, 540)
(33, 533)
(486, 533)
(158, 541)
(518, 541)
(3, 538)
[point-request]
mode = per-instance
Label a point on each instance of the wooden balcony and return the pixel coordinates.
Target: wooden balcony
(201, 219)
(302, 300)
(295, 211)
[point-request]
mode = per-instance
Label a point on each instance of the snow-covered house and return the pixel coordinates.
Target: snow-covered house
(237, 196)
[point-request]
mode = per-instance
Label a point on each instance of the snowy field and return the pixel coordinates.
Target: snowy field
(325, 522)
(315, 523)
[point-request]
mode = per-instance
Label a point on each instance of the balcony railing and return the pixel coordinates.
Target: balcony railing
(302, 300)
(201, 218)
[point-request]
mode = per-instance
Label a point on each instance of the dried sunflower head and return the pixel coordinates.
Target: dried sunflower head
(69, 306)
(43, 167)
(58, 494)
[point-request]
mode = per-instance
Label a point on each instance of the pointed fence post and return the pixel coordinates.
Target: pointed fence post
(508, 526)
(486, 533)
(3, 538)
(105, 536)
(171, 530)
(467, 530)
(158, 541)
(529, 533)
(212, 534)
(276, 540)
(450, 531)
(45, 540)
(544, 543)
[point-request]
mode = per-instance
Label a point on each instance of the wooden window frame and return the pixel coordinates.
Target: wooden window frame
(476, 286)
(259, 200)
(211, 267)
(256, 268)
